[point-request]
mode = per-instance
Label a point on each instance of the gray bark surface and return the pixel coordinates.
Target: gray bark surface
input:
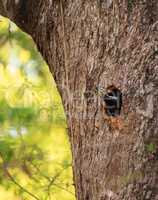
(91, 43)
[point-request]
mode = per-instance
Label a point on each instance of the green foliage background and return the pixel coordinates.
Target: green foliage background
(35, 156)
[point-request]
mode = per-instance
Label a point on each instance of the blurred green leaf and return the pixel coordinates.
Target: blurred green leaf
(6, 150)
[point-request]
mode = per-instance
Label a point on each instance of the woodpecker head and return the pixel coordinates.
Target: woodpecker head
(112, 89)
(112, 97)
(113, 101)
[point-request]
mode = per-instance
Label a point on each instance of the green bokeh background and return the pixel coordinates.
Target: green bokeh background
(35, 155)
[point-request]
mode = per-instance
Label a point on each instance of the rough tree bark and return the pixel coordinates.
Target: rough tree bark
(102, 42)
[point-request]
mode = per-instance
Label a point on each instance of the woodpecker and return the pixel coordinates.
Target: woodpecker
(112, 97)
(113, 101)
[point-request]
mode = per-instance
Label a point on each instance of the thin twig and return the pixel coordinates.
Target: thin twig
(21, 187)
(14, 181)
(62, 188)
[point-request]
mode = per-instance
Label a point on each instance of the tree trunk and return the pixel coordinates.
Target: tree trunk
(101, 43)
